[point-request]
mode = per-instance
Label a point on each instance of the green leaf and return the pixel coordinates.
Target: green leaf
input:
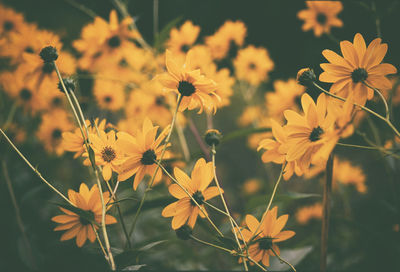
(87, 215)
(163, 35)
(295, 196)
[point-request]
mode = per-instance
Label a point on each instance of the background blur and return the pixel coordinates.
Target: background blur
(363, 232)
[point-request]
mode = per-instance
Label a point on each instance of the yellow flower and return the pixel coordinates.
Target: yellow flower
(10, 21)
(306, 213)
(251, 186)
(181, 40)
(109, 94)
(310, 138)
(263, 244)
(107, 151)
(51, 128)
(77, 226)
(321, 16)
(142, 152)
(228, 35)
(196, 90)
(253, 65)
(185, 210)
(359, 64)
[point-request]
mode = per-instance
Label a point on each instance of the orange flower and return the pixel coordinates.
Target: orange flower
(195, 89)
(321, 16)
(77, 226)
(305, 214)
(185, 210)
(181, 40)
(359, 64)
(142, 152)
(263, 243)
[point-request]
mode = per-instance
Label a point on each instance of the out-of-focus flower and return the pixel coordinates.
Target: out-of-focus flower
(182, 39)
(306, 213)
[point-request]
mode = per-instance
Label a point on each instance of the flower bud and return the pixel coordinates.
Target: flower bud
(212, 137)
(48, 54)
(69, 85)
(306, 77)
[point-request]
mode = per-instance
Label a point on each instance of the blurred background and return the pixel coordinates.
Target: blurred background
(364, 231)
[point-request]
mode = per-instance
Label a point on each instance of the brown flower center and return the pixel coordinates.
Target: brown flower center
(148, 157)
(25, 94)
(108, 154)
(315, 134)
(160, 100)
(89, 217)
(358, 75)
(8, 25)
(265, 243)
(114, 41)
(198, 196)
(321, 18)
(107, 99)
(186, 88)
(252, 66)
(29, 49)
(185, 48)
(56, 134)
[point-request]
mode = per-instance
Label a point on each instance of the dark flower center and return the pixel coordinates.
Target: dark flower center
(48, 67)
(252, 66)
(56, 134)
(29, 49)
(160, 100)
(8, 25)
(265, 243)
(56, 101)
(25, 94)
(148, 157)
(108, 154)
(107, 99)
(86, 221)
(114, 41)
(185, 48)
(123, 63)
(359, 74)
(316, 134)
(321, 18)
(186, 88)
(198, 196)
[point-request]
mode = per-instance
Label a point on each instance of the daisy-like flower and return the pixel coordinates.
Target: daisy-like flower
(305, 214)
(181, 40)
(142, 152)
(185, 210)
(107, 151)
(77, 226)
(309, 134)
(253, 65)
(196, 90)
(321, 16)
(73, 141)
(10, 21)
(109, 94)
(359, 64)
(275, 151)
(263, 243)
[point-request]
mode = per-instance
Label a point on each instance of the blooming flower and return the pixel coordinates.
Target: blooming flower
(306, 213)
(78, 226)
(359, 64)
(262, 240)
(185, 210)
(321, 16)
(181, 40)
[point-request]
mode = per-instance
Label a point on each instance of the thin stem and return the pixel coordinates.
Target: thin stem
(81, 115)
(326, 213)
(100, 243)
(34, 169)
(362, 107)
(359, 146)
(210, 244)
(192, 199)
(255, 234)
(283, 260)
(332, 38)
(381, 96)
(198, 138)
(377, 20)
(183, 142)
(82, 8)
(213, 153)
(10, 116)
(167, 139)
(155, 18)
(18, 214)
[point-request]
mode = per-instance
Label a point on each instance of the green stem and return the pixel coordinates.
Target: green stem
(283, 260)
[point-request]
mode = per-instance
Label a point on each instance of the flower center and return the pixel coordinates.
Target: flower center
(160, 100)
(265, 243)
(85, 221)
(114, 41)
(186, 88)
(108, 154)
(56, 101)
(25, 94)
(198, 196)
(185, 48)
(8, 25)
(48, 67)
(359, 74)
(29, 49)
(56, 134)
(107, 99)
(148, 157)
(316, 134)
(252, 66)
(321, 18)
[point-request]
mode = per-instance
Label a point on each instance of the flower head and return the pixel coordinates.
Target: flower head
(182, 39)
(185, 209)
(321, 16)
(78, 226)
(359, 64)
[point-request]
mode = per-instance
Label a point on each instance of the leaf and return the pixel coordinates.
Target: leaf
(295, 196)
(293, 256)
(81, 213)
(133, 267)
(163, 35)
